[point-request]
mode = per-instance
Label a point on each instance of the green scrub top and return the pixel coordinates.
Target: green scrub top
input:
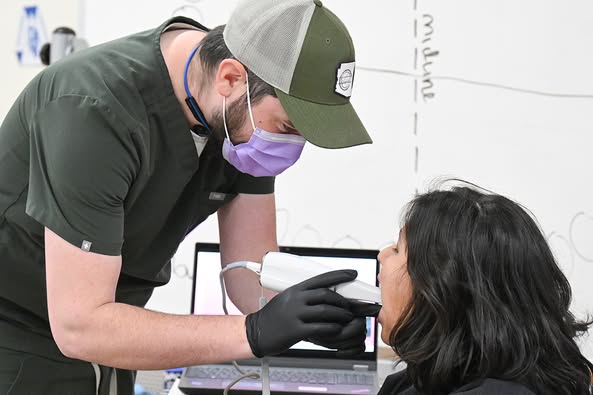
(97, 149)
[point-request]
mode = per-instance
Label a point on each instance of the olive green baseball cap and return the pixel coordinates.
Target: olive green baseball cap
(306, 53)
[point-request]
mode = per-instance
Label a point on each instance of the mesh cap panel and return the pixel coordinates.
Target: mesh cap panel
(267, 36)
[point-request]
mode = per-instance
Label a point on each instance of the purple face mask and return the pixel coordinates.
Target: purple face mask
(265, 154)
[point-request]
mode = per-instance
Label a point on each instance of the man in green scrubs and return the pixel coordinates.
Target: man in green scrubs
(111, 156)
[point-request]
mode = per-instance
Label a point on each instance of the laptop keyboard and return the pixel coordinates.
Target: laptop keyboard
(286, 375)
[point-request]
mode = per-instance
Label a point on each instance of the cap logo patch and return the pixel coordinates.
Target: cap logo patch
(345, 79)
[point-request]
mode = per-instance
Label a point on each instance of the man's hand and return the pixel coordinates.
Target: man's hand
(306, 311)
(349, 341)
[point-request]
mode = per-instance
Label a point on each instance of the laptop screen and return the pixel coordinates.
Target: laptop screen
(207, 294)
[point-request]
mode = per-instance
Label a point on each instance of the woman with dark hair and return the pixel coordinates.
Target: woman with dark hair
(475, 303)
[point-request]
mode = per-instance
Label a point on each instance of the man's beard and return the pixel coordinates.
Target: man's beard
(236, 113)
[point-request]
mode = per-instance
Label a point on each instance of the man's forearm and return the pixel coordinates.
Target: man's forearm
(130, 337)
(247, 228)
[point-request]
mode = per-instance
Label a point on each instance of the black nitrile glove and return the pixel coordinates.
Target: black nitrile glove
(300, 312)
(349, 341)
(364, 309)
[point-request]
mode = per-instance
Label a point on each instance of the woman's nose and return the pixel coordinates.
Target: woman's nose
(382, 255)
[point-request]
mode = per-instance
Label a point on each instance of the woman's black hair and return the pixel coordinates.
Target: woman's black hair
(488, 299)
(214, 50)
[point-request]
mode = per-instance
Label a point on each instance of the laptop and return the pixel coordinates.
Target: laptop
(304, 368)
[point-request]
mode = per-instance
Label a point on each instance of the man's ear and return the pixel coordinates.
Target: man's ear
(230, 79)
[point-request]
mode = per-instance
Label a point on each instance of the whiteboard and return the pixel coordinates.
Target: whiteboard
(497, 92)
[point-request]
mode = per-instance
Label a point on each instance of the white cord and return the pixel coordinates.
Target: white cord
(265, 365)
(265, 377)
(255, 267)
(254, 376)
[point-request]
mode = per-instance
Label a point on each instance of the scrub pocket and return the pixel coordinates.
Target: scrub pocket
(10, 367)
(34, 375)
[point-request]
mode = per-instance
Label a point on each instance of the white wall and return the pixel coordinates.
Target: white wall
(14, 77)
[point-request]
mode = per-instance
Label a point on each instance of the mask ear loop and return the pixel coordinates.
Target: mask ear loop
(249, 99)
(248, 105)
(224, 119)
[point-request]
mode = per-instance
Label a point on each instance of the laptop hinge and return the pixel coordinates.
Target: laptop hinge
(360, 368)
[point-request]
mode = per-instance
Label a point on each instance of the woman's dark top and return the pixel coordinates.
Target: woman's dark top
(399, 384)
